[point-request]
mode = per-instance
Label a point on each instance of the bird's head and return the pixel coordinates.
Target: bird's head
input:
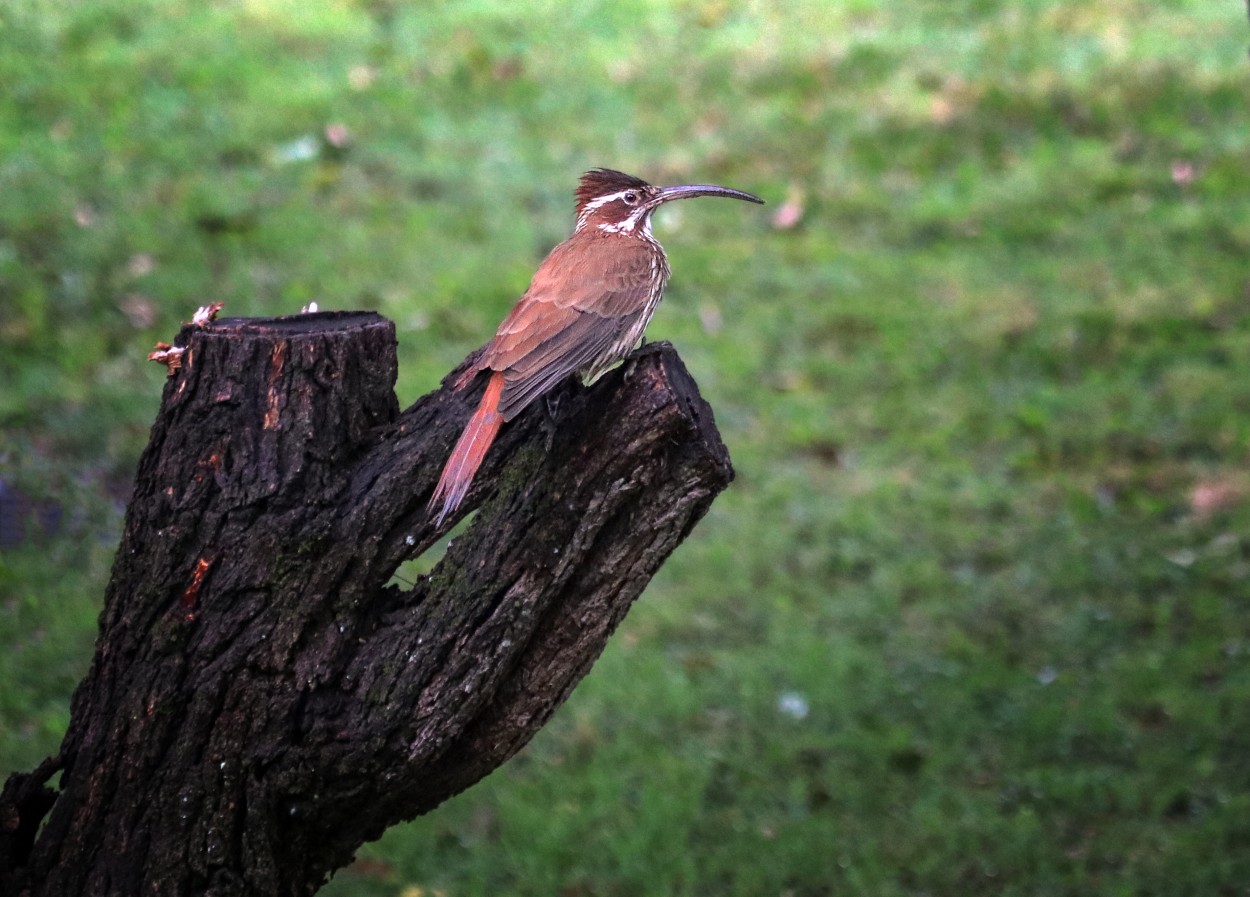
(619, 203)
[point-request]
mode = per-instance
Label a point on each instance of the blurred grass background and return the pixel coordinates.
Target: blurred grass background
(975, 616)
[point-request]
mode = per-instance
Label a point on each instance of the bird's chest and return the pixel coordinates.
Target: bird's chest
(650, 273)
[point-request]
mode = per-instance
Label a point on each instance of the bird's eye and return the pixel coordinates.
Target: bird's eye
(630, 198)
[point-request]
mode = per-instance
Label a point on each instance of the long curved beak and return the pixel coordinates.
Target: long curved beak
(689, 191)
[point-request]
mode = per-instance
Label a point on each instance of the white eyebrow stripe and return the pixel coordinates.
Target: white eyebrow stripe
(604, 200)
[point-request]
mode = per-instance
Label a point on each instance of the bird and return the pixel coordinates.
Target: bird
(585, 309)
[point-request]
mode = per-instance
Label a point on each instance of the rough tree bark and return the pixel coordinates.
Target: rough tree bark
(262, 700)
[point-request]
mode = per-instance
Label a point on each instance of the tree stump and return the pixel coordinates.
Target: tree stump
(263, 699)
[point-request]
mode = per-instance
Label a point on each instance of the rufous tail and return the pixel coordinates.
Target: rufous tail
(470, 449)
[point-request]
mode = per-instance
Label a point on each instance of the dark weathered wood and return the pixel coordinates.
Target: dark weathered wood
(261, 700)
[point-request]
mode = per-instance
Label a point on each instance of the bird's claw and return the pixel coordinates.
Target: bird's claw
(551, 404)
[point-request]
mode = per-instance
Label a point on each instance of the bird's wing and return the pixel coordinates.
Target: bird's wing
(572, 317)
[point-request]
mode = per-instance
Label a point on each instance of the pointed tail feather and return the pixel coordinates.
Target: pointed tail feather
(470, 449)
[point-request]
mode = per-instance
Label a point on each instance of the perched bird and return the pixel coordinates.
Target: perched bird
(586, 308)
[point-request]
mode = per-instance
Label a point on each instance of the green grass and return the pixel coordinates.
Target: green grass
(988, 402)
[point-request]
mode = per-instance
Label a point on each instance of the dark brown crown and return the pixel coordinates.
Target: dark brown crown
(604, 182)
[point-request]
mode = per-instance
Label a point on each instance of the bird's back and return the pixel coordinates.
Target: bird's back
(586, 307)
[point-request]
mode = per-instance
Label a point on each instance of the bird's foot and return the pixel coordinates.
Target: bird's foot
(551, 404)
